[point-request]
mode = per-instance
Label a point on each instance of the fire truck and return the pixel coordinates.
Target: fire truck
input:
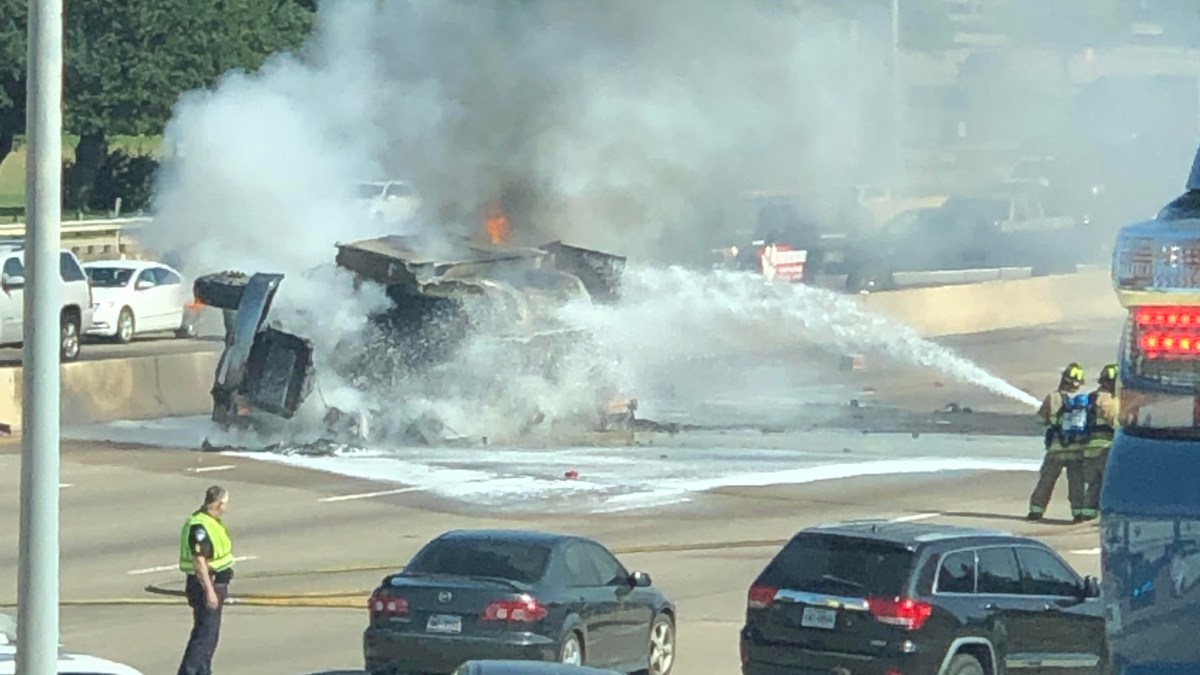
(1150, 504)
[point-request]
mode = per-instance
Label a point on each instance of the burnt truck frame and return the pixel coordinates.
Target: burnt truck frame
(266, 369)
(261, 368)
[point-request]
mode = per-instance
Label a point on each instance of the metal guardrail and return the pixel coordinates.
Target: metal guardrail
(91, 239)
(75, 228)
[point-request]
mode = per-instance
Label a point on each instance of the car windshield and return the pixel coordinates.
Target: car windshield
(845, 565)
(990, 209)
(369, 190)
(512, 560)
(109, 277)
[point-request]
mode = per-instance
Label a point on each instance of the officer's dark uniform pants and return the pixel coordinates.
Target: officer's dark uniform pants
(1052, 467)
(206, 628)
(1093, 478)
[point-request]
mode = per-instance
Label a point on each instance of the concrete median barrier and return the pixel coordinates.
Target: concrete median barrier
(999, 305)
(141, 387)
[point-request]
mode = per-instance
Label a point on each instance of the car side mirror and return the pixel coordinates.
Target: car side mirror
(142, 285)
(1091, 587)
(13, 281)
(640, 579)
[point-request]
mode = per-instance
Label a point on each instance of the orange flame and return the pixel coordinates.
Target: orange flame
(496, 225)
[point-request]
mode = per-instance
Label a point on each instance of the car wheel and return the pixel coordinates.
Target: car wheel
(965, 664)
(571, 650)
(125, 325)
(69, 337)
(186, 331)
(662, 645)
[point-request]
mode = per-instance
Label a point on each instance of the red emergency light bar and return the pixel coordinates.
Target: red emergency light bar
(1167, 332)
(1167, 317)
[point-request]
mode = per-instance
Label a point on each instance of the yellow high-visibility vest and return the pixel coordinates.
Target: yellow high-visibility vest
(222, 557)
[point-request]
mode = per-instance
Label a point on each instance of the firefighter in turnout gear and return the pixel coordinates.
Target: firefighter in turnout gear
(1102, 425)
(206, 557)
(1064, 412)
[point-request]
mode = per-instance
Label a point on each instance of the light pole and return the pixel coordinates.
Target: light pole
(897, 100)
(37, 583)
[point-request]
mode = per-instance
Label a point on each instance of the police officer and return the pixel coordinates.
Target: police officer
(206, 557)
(1063, 447)
(1102, 424)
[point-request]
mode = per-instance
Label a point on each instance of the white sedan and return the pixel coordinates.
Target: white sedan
(132, 297)
(79, 664)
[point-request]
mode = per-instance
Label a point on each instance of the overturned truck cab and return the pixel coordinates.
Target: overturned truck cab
(264, 369)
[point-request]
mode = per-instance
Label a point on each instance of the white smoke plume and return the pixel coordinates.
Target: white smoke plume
(627, 126)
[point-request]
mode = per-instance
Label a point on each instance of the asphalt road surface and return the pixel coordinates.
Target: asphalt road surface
(123, 504)
(122, 509)
(210, 334)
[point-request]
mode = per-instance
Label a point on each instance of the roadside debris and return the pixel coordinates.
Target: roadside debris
(954, 409)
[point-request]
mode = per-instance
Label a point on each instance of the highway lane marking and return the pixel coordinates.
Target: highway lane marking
(915, 517)
(368, 495)
(204, 469)
(168, 568)
(64, 485)
(1086, 551)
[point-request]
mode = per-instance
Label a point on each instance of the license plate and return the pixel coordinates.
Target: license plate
(441, 623)
(818, 617)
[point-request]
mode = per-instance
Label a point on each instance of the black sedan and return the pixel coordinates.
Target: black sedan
(509, 594)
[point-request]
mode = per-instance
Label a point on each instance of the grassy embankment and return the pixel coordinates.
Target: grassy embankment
(12, 172)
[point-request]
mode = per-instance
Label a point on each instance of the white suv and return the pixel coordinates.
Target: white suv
(76, 300)
(389, 201)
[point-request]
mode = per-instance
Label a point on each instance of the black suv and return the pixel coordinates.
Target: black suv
(890, 598)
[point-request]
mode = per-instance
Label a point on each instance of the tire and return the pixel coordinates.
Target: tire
(965, 664)
(571, 649)
(125, 326)
(222, 290)
(187, 330)
(68, 340)
(662, 645)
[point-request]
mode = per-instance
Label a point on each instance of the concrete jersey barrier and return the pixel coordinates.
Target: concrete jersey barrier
(140, 387)
(999, 305)
(147, 387)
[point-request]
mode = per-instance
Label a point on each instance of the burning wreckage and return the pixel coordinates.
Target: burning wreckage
(266, 370)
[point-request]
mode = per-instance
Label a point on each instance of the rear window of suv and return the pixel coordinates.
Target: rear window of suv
(842, 565)
(516, 561)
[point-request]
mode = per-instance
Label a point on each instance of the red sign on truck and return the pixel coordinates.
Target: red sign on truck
(782, 262)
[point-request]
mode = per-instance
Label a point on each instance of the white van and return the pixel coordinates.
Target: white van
(76, 300)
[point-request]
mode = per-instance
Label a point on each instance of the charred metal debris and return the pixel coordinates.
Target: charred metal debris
(264, 370)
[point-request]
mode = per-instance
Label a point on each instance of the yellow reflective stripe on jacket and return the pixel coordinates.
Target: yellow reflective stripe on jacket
(222, 557)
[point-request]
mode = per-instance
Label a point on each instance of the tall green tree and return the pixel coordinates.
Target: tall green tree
(129, 60)
(13, 15)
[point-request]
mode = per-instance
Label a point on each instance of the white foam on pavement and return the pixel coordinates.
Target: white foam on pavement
(620, 478)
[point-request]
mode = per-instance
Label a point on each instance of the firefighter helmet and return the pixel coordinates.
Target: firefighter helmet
(1073, 374)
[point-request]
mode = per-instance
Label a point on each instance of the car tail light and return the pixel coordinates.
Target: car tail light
(524, 609)
(760, 597)
(904, 612)
(383, 604)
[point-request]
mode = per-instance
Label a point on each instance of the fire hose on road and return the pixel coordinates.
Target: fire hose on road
(357, 599)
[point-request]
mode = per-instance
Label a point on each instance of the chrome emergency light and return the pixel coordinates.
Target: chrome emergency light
(1156, 276)
(1157, 262)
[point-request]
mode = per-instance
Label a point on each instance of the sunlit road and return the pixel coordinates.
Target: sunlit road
(123, 505)
(285, 519)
